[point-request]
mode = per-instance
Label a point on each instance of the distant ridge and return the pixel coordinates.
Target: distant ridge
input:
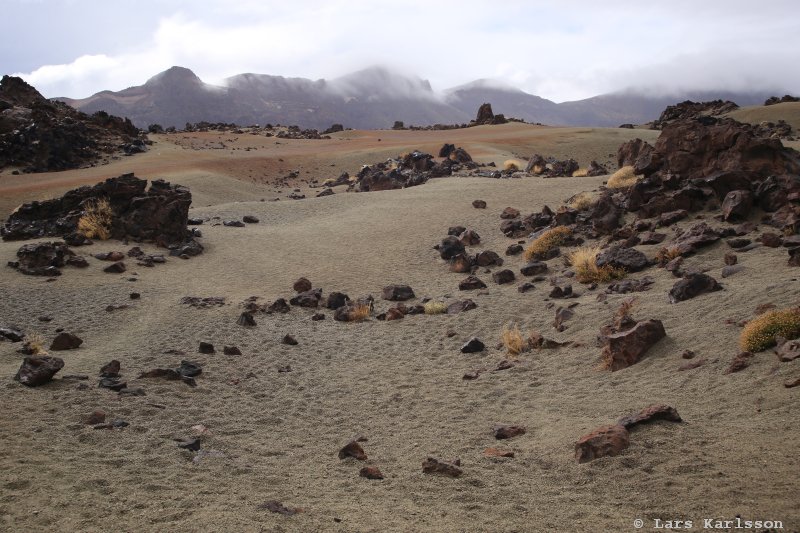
(372, 98)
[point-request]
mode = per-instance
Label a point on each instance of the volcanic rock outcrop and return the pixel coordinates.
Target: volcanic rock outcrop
(41, 135)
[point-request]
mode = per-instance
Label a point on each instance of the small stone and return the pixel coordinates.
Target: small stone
(435, 466)
(508, 432)
(398, 293)
(534, 268)
(692, 365)
(98, 416)
(473, 345)
(250, 219)
(479, 204)
(134, 296)
(502, 277)
(38, 369)
(115, 268)
(648, 414)
(731, 258)
(471, 283)
(110, 369)
(231, 350)
(192, 444)
(729, 271)
(288, 339)
(206, 347)
(497, 452)
(246, 319)
(353, 449)
(687, 354)
(602, 442)
(65, 341)
(739, 363)
(370, 472)
(302, 285)
(514, 249)
(318, 316)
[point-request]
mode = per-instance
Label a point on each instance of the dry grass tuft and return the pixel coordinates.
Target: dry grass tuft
(580, 173)
(34, 344)
(512, 339)
(667, 254)
(581, 201)
(435, 308)
(96, 220)
(759, 334)
(547, 241)
(512, 164)
(584, 262)
(360, 311)
(624, 177)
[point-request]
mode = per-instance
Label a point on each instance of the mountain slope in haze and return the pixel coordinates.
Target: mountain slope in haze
(368, 99)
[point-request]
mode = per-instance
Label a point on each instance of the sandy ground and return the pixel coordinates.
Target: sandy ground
(275, 435)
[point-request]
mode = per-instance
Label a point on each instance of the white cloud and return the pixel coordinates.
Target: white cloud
(557, 50)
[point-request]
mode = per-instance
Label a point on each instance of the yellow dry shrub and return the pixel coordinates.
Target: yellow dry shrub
(580, 173)
(624, 177)
(513, 340)
(581, 201)
(328, 182)
(584, 263)
(96, 220)
(512, 164)
(547, 241)
(435, 308)
(360, 312)
(35, 344)
(759, 334)
(667, 254)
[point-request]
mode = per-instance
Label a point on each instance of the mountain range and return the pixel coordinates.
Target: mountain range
(372, 98)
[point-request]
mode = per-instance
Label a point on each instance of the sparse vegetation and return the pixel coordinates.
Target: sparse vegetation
(547, 241)
(360, 312)
(624, 177)
(759, 334)
(581, 201)
(34, 344)
(96, 220)
(667, 254)
(512, 165)
(584, 262)
(435, 308)
(580, 173)
(513, 340)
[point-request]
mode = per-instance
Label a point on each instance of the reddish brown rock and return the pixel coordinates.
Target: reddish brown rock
(471, 283)
(450, 247)
(497, 452)
(479, 204)
(739, 363)
(309, 299)
(534, 268)
(787, 350)
(246, 319)
(394, 313)
(279, 306)
(442, 468)
(371, 472)
(514, 249)
(461, 264)
(38, 369)
(353, 449)
(648, 414)
(302, 285)
(111, 369)
(470, 238)
(461, 306)
(604, 441)
(771, 240)
(509, 213)
(65, 341)
(488, 258)
(206, 347)
(626, 348)
(115, 268)
(508, 432)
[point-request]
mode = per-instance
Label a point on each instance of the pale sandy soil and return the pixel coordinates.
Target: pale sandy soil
(275, 436)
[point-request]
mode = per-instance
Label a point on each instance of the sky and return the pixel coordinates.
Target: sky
(560, 50)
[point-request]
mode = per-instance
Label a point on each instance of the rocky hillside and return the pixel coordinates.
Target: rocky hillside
(373, 98)
(40, 135)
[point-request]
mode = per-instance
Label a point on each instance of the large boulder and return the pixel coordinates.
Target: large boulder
(38, 369)
(625, 348)
(158, 214)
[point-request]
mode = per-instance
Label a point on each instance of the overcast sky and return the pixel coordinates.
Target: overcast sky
(560, 50)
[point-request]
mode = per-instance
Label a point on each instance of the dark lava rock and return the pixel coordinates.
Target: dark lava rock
(249, 219)
(43, 258)
(110, 369)
(488, 258)
(737, 205)
(629, 259)
(471, 283)
(514, 249)
(191, 444)
(442, 468)
(473, 345)
(503, 276)
(455, 231)
(307, 298)
(206, 347)
(450, 247)
(65, 341)
(12, 334)
(692, 285)
(509, 213)
(288, 339)
(397, 293)
(279, 306)
(317, 317)
(38, 369)
(479, 204)
(336, 300)
(508, 432)
(246, 319)
(233, 223)
(461, 263)
(370, 472)
(648, 414)
(231, 350)
(461, 306)
(115, 268)
(534, 268)
(561, 292)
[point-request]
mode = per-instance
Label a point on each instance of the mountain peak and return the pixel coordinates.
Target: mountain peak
(175, 75)
(17, 91)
